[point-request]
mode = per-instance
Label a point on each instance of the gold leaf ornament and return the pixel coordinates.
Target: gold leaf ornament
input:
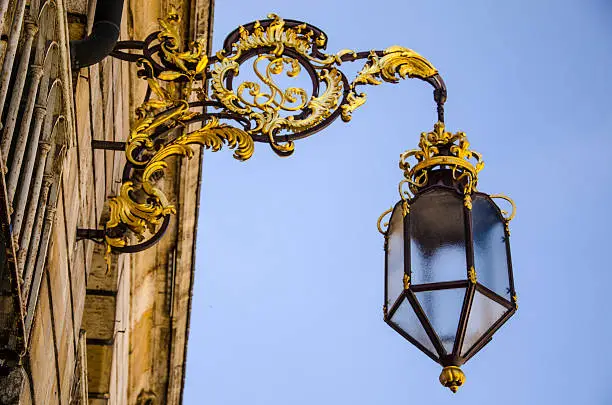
(396, 62)
(140, 217)
(202, 63)
(170, 75)
(353, 101)
(406, 63)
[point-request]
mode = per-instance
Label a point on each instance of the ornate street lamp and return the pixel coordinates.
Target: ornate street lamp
(448, 272)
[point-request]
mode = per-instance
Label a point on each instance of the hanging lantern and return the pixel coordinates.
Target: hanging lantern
(448, 271)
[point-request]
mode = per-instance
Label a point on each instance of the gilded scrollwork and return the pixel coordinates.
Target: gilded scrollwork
(278, 36)
(260, 110)
(507, 217)
(264, 105)
(140, 205)
(297, 46)
(383, 226)
(396, 62)
(147, 216)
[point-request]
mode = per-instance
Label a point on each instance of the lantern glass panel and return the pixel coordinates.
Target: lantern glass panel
(490, 258)
(395, 256)
(443, 310)
(483, 314)
(437, 237)
(406, 319)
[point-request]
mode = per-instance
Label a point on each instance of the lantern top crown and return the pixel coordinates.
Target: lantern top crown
(440, 149)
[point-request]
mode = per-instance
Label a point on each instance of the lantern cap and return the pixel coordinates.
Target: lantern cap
(440, 149)
(452, 377)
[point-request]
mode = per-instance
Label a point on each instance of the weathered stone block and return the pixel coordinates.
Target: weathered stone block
(99, 362)
(57, 268)
(99, 317)
(42, 358)
(78, 287)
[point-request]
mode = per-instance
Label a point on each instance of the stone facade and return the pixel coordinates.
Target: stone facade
(72, 330)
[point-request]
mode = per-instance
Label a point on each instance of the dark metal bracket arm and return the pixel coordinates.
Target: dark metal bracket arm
(108, 145)
(185, 87)
(90, 234)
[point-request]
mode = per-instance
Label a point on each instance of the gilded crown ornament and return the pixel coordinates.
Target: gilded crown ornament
(438, 149)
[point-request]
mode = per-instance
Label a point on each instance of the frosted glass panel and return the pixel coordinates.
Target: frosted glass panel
(484, 313)
(395, 256)
(490, 258)
(443, 309)
(437, 238)
(405, 318)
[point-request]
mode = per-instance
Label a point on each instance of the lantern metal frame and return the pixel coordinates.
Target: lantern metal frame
(471, 287)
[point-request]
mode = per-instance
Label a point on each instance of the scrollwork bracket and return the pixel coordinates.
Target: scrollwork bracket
(186, 87)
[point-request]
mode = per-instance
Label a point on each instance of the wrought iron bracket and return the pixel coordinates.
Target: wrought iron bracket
(90, 234)
(107, 145)
(186, 87)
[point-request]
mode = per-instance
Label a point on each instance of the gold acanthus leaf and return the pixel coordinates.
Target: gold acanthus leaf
(396, 60)
(170, 41)
(141, 206)
(278, 36)
(211, 136)
(353, 101)
(140, 217)
(227, 97)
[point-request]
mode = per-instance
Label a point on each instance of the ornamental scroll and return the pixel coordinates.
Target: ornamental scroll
(187, 87)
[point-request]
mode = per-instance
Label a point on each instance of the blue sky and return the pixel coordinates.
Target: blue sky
(289, 268)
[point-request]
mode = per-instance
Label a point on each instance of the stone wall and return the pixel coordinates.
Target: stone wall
(92, 334)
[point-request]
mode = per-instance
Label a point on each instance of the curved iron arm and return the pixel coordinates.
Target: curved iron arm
(258, 111)
(147, 243)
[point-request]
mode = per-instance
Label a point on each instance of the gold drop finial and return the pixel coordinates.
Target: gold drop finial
(452, 377)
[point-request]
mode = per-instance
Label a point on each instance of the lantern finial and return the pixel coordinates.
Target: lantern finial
(452, 377)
